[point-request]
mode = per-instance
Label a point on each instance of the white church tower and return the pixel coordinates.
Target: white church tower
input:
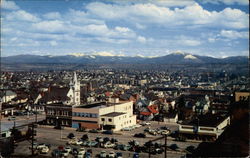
(75, 87)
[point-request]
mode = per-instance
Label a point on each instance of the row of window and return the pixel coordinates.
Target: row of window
(56, 112)
(110, 120)
(81, 114)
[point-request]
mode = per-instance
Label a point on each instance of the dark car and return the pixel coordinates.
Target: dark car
(140, 135)
(136, 155)
(93, 131)
(106, 139)
(107, 132)
(56, 153)
(71, 135)
(74, 151)
(118, 155)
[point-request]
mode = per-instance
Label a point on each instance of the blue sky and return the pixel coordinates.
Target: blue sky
(150, 28)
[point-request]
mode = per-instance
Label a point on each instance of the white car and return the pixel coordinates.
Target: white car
(109, 145)
(82, 150)
(80, 155)
(45, 150)
(137, 125)
(145, 123)
(65, 153)
(103, 154)
(79, 142)
(68, 149)
(73, 142)
(40, 146)
(111, 154)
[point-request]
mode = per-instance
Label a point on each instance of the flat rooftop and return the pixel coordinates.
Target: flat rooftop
(92, 105)
(208, 120)
(113, 114)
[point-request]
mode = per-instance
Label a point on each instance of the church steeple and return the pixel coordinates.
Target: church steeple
(75, 85)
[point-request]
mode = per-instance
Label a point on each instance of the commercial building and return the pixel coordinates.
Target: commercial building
(113, 115)
(206, 127)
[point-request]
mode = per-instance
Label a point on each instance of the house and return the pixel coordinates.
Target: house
(171, 117)
(7, 95)
(67, 95)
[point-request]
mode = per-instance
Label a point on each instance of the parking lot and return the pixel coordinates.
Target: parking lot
(56, 138)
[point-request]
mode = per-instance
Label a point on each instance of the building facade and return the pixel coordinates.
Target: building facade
(107, 116)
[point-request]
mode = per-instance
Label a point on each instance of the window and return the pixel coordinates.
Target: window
(103, 119)
(110, 120)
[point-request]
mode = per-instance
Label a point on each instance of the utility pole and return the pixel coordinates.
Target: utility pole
(149, 152)
(32, 140)
(165, 152)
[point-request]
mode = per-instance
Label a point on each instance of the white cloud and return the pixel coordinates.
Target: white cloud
(141, 39)
(52, 15)
(50, 26)
(234, 34)
(146, 13)
(53, 43)
(22, 15)
(187, 41)
(227, 2)
(9, 5)
(139, 26)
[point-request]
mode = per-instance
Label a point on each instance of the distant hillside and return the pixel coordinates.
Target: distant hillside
(174, 58)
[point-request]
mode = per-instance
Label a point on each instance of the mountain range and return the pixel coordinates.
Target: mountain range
(174, 58)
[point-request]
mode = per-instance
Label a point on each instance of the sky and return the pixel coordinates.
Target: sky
(149, 28)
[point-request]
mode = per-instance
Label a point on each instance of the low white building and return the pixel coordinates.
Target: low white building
(205, 126)
(120, 115)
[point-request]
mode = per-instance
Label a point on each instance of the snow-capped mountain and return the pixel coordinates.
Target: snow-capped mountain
(79, 58)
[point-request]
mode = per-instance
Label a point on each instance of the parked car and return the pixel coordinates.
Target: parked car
(71, 136)
(56, 153)
(137, 125)
(80, 155)
(164, 132)
(140, 135)
(92, 144)
(106, 139)
(103, 154)
(85, 137)
(99, 139)
(152, 132)
(147, 129)
(109, 145)
(113, 140)
(107, 132)
(74, 151)
(68, 149)
(125, 147)
(111, 154)
(88, 155)
(40, 146)
(12, 118)
(145, 123)
(93, 131)
(44, 150)
(64, 153)
(118, 146)
(126, 129)
(136, 155)
(118, 155)
(82, 150)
